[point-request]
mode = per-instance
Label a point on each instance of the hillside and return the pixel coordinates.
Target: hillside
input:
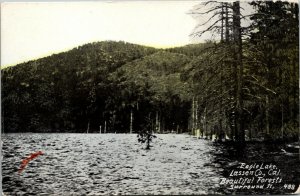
(94, 84)
(118, 86)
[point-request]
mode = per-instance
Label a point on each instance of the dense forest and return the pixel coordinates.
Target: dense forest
(244, 86)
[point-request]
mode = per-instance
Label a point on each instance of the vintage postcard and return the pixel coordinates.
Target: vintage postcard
(150, 98)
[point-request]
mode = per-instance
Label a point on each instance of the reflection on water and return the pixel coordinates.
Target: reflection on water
(89, 164)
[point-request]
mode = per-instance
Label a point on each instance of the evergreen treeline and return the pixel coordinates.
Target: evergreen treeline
(245, 86)
(98, 84)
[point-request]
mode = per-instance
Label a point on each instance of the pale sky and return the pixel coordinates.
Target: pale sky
(38, 29)
(34, 30)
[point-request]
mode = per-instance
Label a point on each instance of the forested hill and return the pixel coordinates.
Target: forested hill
(96, 84)
(122, 87)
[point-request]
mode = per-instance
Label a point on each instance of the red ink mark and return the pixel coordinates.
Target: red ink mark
(26, 160)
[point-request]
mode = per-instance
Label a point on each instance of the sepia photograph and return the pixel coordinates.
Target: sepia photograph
(148, 97)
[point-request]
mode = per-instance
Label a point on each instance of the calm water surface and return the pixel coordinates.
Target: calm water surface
(105, 164)
(108, 164)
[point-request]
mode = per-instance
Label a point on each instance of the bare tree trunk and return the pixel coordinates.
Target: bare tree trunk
(282, 120)
(267, 116)
(162, 124)
(222, 22)
(226, 23)
(233, 68)
(148, 141)
(220, 131)
(156, 122)
(159, 125)
(193, 115)
(196, 116)
(226, 35)
(211, 133)
(296, 90)
(88, 127)
(131, 121)
(205, 122)
(239, 69)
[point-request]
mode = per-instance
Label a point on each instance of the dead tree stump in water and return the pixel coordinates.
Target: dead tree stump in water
(146, 136)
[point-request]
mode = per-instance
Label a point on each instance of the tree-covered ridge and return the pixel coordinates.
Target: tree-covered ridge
(192, 50)
(90, 86)
(153, 86)
(160, 72)
(53, 92)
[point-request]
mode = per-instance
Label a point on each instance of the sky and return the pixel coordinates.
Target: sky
(34, 30)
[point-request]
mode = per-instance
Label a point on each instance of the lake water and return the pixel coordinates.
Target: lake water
(106, 164)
